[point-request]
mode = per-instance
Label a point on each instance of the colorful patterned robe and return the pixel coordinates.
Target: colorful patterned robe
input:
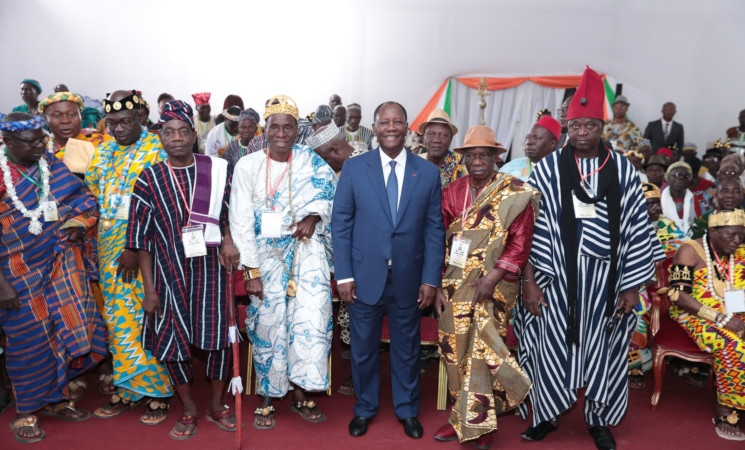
(452, 168)
(58, 320)
(484, 378)
(727, 348)
(136, 372)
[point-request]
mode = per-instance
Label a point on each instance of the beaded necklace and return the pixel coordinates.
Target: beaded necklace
(35, 226)
(52, 146)
(712, 274)
(352, 135)
(242, 148)
(107, 156)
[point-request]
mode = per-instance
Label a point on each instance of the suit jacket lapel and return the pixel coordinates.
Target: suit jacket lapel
(411, 176)
(375, 174)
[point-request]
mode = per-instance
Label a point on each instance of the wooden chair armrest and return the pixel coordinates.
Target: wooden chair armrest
(654, 322)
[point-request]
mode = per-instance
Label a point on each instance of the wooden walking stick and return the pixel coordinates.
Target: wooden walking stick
(236, 384)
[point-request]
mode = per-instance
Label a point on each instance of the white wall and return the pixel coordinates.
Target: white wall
(687, 51)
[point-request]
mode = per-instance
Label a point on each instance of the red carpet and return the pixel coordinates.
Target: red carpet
(682, 421)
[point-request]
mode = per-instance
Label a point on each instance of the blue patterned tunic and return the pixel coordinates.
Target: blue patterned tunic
(291, 336)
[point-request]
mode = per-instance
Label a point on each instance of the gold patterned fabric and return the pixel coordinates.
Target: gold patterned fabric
(484, 378)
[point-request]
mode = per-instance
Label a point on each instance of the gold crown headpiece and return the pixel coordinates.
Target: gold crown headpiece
(281, 104)
(727, 218)
(651, 191)
(720, 145)
(130, 102)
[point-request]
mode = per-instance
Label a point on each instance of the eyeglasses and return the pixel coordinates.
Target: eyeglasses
(35, 142)
(125, 123)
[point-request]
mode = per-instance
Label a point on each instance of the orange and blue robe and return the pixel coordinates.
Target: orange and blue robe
(58, 321)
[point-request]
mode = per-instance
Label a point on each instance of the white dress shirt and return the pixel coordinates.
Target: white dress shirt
(669, 126)
(400, 168)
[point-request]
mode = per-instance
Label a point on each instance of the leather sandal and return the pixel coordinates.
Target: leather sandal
(185, 421)
(266, 412)
(29, 421)
(733, 419)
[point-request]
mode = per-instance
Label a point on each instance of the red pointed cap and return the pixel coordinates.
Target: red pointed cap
(551, 125)
(588, 100)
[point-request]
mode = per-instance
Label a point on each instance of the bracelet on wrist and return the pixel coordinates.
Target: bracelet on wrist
(708, 313)
(724, 320)
(251, 274)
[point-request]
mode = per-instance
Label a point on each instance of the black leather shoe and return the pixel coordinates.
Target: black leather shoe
(540, 431)
(358, 425)
(603, 438)
(412, 427)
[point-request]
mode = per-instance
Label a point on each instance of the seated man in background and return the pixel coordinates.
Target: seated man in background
(640, 355)
(679, 204)
(729, 196)
(655, 168)
(706, 281)
(711, 161)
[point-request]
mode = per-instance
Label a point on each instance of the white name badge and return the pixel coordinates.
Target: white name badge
(50, 211)
(583, 210)
(122, 211)
(193, 238)
(271, 224)
(459, 252)
(734, 301)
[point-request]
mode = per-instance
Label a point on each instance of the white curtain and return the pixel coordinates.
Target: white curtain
(509, 112)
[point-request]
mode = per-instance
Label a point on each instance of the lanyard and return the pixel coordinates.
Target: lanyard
(187, 205)
(465, 201)
(272, 191)
(36, 183)
(583, 178)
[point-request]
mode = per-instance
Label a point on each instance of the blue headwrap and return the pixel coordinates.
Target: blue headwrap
(178, 110)
(32, 124)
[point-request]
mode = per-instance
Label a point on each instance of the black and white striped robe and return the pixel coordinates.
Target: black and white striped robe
(600, 361)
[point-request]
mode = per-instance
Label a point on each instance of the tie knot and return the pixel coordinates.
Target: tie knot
(393, 165)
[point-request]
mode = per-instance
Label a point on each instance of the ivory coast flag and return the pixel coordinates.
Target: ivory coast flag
(441, 100)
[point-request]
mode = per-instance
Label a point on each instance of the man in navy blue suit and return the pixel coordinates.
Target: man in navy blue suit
(388, 239)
